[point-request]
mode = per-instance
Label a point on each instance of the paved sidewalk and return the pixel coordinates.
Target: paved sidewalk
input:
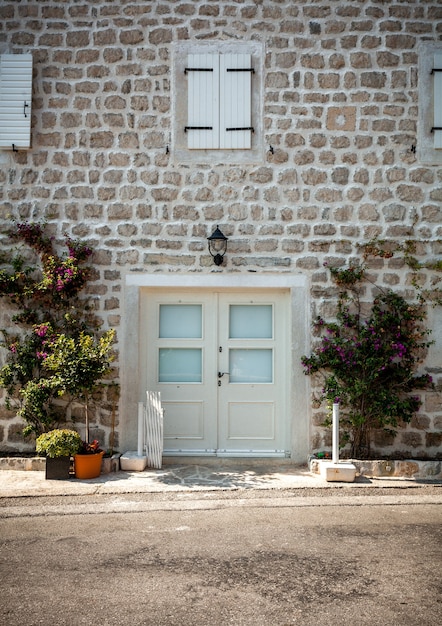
(187, 477)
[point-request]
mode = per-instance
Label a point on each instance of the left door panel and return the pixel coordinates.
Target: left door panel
(179, 356)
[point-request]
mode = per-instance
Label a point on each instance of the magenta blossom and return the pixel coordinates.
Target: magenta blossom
(41, 330)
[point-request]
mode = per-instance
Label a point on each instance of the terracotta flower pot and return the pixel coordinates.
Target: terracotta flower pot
(88, 465)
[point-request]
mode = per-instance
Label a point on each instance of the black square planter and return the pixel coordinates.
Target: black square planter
(58, 468)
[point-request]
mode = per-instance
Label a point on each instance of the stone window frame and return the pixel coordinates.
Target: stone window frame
(426, 152)
(179, 150)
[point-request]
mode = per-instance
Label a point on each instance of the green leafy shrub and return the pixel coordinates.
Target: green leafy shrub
(369, 362)
(58, 442)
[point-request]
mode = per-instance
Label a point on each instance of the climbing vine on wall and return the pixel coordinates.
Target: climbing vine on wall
(58, 353)
(407, 252)
(368, 359)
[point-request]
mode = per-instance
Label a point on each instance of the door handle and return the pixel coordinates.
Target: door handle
(221, 374)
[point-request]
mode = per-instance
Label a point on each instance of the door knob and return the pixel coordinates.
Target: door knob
(221, 374)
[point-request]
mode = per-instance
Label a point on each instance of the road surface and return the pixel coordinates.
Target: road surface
(223, 559)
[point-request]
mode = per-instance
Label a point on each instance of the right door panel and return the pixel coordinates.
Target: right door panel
(252, 388)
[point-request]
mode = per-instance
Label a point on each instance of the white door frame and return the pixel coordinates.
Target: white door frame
(299, 392)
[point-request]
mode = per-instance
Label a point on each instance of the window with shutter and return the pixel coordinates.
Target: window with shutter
(429, 129)
(15, 101)
(217, 102)
(219, 93)
(437, 100)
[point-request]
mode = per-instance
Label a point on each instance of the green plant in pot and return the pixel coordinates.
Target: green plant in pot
(58, 446)
(79, 364)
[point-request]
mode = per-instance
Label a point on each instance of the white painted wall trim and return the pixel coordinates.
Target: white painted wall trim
(300, 323)
(265, 281)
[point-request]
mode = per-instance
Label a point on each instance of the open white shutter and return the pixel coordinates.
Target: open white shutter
(15, 100)
(235, 101)
(437, 100)
(202, 101)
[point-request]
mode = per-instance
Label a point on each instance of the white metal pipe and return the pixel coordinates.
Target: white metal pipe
(140, 429)
(335, 439)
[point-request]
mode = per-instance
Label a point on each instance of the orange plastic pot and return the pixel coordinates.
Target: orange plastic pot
(88, 465)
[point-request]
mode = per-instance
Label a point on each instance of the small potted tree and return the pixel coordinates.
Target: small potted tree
(58, 446)
(79, 364)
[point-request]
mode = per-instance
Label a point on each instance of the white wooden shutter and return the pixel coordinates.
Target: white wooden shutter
(15, 100)
(437, 100)
(202, 101)
(235, 101)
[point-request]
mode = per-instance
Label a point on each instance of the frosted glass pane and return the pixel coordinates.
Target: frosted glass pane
(250, 321)
(180, 321)
(251, 366)
(180, 365)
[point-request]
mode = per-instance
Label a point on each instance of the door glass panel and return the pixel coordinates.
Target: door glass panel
(250, 321)
(251, 366)
(180, 365)
(180, 321)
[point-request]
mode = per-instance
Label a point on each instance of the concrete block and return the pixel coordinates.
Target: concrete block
(131, 462)
(338, 472)
(110, 464)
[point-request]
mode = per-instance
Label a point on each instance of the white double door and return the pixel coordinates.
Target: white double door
(220, 363)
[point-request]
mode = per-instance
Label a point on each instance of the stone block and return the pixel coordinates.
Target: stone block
(131, 462)
(338, 472)
(407, 469)
(110, 464)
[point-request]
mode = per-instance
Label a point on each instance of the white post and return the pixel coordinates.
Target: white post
(140, 429)
(343, 472)
(335, 440)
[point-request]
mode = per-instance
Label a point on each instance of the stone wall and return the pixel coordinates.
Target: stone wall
(340, 155)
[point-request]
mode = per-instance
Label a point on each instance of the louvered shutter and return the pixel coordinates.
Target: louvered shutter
(15, 100)
(438, 100)
(235, 101)
(202, 101)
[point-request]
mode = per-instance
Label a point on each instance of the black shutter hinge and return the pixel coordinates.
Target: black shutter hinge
(240, 69)
(198, 69)
(186, 128)
(243, 128)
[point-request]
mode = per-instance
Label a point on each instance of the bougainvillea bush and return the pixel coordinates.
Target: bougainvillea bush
(58, 354)
(369, 363)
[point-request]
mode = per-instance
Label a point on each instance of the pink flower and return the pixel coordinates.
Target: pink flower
(41, 330)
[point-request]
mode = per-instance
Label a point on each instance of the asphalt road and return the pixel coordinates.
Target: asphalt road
(242, 559)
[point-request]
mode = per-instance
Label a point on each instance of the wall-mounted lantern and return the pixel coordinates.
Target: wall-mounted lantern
(217, 246)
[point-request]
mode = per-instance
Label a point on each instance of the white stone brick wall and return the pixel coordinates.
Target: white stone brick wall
(340, 111)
